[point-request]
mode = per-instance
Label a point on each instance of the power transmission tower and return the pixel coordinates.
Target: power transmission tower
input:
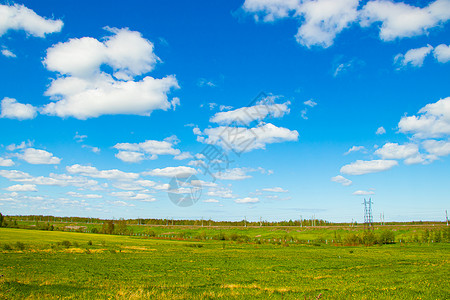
(368, 218)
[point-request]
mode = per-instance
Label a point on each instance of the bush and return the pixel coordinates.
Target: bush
(7, 247)
(89, 243)
(386, 237)
(20, 246)
(66, 244)
(369, 238)
(352, 239)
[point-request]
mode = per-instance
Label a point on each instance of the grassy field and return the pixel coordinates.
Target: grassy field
(66, 265)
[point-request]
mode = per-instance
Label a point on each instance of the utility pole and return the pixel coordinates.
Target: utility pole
(446, 216)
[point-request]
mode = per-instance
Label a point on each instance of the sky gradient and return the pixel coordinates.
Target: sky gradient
(102, 106)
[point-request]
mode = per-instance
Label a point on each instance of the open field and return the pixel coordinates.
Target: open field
(52, 264)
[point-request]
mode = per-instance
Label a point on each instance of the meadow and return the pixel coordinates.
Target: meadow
(206, 263)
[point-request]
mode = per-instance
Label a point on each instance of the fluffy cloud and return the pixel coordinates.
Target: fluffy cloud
(12, 109)
(19, 17)
(184, 155)
(442, 53)
(135, 152)
(211, 201)
(396, 151)
(246, 115)
(310, 103)
(437, 148)
(433, 120)
(6, 162)
(38, 157)
(413, 57)
(323, 20)
(246, 200)
(85, 196)
(271, 10)
(105, 174)
(180, 172)
(342, 180)
(361, 167)
(22, 188)
(399, 20)
(243, 139)
(86, 92)
(224, 193)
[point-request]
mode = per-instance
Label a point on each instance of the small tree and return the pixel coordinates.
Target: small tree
(386, 237)
(425, 236)
(1, 220)
(108, 227)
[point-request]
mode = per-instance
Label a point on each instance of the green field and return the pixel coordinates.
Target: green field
(39, 264)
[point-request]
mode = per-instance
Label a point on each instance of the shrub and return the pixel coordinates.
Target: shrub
(369, 238)
(352, 239)
(89, 243)
(66, 244)
(20, 245)
(75, 244)
(386, 237)
(7, 247)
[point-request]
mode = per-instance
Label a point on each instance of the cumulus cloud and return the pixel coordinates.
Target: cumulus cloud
(6, 162)
(150, 149)
(380, 131)
(84, 91)
(442, 53)
(413, 57)
(396, 151)
(19, 17)
(12, 109)
(437, 148)
(400, 20)
(243, 139)
(221, 192)
(85, 196)
(105, 174)
(38, 157)
(211, 201)
(361, 167)
(246, 115)
(310, 103)
(233, 174)
(246, 200)
(182, 156)
(342, 180)
(432, 121)
(22, 188)
(180, 172)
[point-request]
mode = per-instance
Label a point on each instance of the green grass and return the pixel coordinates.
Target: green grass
(124, 267)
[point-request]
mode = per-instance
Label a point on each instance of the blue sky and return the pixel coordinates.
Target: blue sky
(102, 106)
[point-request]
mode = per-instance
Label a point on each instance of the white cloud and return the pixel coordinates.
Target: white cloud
(134, 196)
(105, 174)
(180, 172)
(8, 53)
(438, 148)
(93, 149)
(85, 196)
(396, 151)
(22, 145)
(246, 115)
(380, 131)
(323, 20)
(224, 193)
(361, 167)
(342, 180)
(205, 82)
(246, 200)
(86, 92)
(433, 120)
(202, 183)
(399, 20)
(38, 157)
(442, 53)
(12, 109)
(363, 193)
(233, 174)
(355, 149)
(19, 17)
(135, 152)
(6, 162)
(130, 156)
(211, 201)
(242, 139)
(271, 10)
(184, 155)
(275, 190)
(310, 103)
(22, 188)
(413, 57)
